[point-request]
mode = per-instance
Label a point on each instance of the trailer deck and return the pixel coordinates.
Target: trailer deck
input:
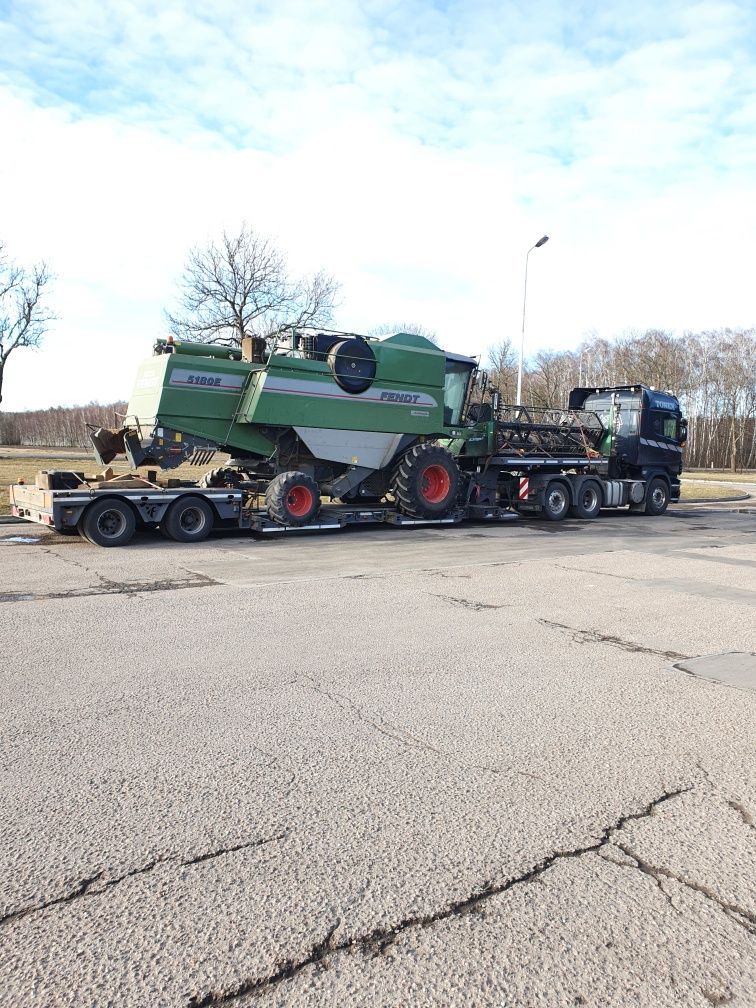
(62, 509)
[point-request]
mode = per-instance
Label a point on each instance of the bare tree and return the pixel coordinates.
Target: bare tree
(502, 364)
(23, 315)
(387, 328)
(241, 287)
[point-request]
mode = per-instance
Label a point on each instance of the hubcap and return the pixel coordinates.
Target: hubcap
(556, 500)
(435, 484)
(192, 520)
(658, 496)
(111, 523)
(298, 501)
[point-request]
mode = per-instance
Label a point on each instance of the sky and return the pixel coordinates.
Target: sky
(414, 150)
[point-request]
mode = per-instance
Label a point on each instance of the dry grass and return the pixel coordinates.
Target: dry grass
(723, 475)
(706, 491)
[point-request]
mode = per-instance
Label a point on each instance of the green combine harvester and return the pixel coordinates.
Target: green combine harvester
(326, 429)
(323, 414)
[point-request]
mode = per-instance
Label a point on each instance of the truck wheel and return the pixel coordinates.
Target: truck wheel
(189, 519)
(426, 482)
(588, 501)
(556, 501)
(108, 523)
(293, 498)
(657, 496)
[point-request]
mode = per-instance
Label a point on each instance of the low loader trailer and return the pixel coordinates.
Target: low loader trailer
(331, 429)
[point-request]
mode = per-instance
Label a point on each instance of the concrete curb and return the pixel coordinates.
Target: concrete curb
(715, 500)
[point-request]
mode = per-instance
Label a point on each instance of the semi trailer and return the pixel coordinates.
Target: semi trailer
(326, 429)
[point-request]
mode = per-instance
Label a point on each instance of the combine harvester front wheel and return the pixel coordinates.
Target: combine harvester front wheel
(293, 499)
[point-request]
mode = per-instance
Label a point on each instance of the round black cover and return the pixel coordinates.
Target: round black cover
(353, 365)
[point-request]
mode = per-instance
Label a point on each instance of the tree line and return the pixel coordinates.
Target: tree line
(713, 373)
(59, 426)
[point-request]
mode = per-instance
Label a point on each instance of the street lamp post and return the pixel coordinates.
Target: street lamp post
(541, 241)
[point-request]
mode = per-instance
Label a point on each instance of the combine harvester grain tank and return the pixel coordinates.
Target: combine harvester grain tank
(328, 429)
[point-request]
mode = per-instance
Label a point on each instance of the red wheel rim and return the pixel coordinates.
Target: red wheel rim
(298, 501)
(435, 484)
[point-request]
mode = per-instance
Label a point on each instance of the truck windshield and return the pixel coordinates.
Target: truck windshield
(619, 413)
(455, 391)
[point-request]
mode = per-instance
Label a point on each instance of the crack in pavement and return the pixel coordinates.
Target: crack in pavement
(405, 738)
(377, 940)
(734, 803)
(469, 603)
(595, 637)
(95, 885)
(742, 811)
(632, 864)
(380, 937)
(108, 587)
(739, 915)
(583, 570)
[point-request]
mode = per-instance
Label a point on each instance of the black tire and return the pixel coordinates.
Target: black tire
(657, 496)
(108, 523)
(189, 519)
(587, 501)
(293, 499)
(426, 482)
(556, 501)
(353, 365)
(222, 477)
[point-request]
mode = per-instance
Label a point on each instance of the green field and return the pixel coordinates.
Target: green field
(17, 464)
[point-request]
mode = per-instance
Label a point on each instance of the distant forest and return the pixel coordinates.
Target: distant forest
(712, 373)
(59, 426)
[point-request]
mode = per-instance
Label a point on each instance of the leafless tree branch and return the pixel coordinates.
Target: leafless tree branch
(23, 314)
(241, 287)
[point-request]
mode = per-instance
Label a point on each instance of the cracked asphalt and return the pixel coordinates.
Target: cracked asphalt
(380, 768)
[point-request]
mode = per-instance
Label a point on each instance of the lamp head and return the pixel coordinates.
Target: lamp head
(541, 241)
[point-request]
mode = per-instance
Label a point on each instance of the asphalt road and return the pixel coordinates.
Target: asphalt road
(380, 768)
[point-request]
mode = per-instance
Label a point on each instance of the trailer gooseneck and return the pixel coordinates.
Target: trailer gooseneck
(331, 429)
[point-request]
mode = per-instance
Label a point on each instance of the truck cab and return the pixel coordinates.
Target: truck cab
(645, 430)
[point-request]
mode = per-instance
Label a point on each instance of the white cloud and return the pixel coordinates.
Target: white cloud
(416, 154)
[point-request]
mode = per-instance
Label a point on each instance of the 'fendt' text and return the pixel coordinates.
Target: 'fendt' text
(401, 397)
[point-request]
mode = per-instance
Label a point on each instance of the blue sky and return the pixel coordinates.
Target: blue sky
(415, 150)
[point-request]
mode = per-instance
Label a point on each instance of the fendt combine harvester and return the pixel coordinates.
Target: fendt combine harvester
(328, 429)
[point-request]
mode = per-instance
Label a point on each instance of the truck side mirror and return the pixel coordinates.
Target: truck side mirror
(682, 430)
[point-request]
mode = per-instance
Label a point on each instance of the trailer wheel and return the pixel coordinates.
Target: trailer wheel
(588, 501)
(657, 496)
(189, 519)
(556, 501)
(108, 523)
(293, 498)
(426, 482)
